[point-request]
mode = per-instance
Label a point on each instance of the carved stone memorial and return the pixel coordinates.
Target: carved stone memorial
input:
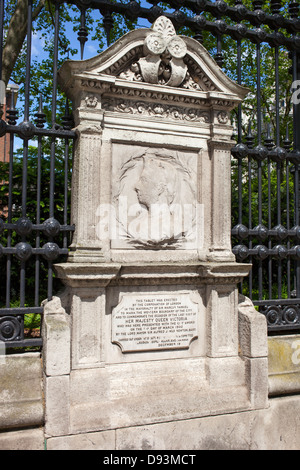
(151, 282)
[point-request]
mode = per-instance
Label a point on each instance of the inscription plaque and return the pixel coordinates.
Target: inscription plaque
(149, 322)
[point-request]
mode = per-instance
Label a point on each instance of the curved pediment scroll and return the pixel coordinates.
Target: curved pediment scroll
(164, 52)
(156, 56)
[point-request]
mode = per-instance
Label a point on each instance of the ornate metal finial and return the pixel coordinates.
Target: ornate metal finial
(12, 113)
(287, 142)
(293, 9)
(67, 119)
(269, 143)
(275, 6)
(40, 115)
(82, 33)
(108, 23)
(249, 137)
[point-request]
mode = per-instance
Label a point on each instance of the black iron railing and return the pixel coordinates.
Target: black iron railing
(32, 239)
(254, 42)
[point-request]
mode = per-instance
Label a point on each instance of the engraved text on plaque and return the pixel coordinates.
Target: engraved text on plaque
(144, 322)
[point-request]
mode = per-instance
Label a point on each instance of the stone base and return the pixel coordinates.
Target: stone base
(274, 428)
(146, 393)
(284, 364)
(21, 395)
(214, 362)
(26, 439)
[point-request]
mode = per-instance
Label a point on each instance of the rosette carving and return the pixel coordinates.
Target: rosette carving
(163, 57)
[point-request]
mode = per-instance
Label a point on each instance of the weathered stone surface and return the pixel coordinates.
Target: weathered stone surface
(21, 395)
(57, 405)
(56, 339)
(274, 428)
(284, 364)
(252, 329)
(27, 439)
(277, 428)
(90, 441)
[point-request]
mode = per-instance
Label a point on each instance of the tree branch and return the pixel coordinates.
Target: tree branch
(16, 35)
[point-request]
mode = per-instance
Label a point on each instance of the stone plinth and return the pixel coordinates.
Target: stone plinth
(151, 305)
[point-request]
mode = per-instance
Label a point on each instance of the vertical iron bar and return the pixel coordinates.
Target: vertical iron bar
(279, 281)
(26, 108)
(40, 120)
(82, 34)
(269, 227)
(219, 55)
(250, 222)
(288, 226)
(239, 137)
(278, 165)
(24, 178)
(38, 220)
(50, 280)
(25, 145)
(258, 84)
(28, 62)
(239, 140)
(259, 168)
(297, 222)
(53, 114)
(239, 80)
(52, 150)
(9, 217)
(277, 117)
(1, 33)
(65, 236)
(22, 283)
(296, 123)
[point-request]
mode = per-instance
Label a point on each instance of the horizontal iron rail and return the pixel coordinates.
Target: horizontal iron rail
(282, 328)
(29, 131)
(261, 232)
(218, 8)
(134, 10)
(40, 227)
(241, 12)
(25, 343)
(21, 310)
(262, 252)
(281, 302)
(34, 251)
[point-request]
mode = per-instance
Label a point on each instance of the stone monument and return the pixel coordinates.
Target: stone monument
(149, 328)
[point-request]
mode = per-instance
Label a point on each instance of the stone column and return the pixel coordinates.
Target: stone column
(220, 249)
(86, 246)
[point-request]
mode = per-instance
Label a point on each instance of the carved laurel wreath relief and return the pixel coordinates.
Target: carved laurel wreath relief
(158, 188)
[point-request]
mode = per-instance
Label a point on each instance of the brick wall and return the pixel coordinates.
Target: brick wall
(11, 90)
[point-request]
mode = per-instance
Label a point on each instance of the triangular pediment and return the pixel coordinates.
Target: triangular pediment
(157, 56)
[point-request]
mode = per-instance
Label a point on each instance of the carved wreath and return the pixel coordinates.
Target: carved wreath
(171, 188)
